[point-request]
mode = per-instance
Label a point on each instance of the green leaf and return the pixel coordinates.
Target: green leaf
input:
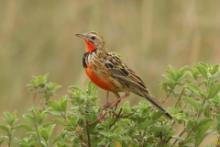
(39, 81)
(10, 118)
(206, 108)
(214, 69)
(173, 78)
(3, 139)
(179, 115)
(199, 129)
(176, 74)
(214, 91)
(126, 107)
(27, 142)
(41, 85)
(218, 124)
(77, 96)
(26, 127)
(35, 116)
(194, 103)
(52, 87)
(202, 130)
(46, 131)
(203, 69)
(92, 90)
(58, 107)
(5, 128)
(196, 91)
(194, 73)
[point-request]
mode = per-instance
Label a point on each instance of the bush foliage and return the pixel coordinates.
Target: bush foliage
(76, 119)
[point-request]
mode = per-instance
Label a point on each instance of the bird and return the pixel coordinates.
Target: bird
(106, 70)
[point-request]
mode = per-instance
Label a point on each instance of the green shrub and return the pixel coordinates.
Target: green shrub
(76, 120)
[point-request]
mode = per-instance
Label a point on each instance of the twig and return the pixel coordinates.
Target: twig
(88, 134)
(218, 142)
(118, 116)
(177, 102)
(202, 105)
(9, 139)
(180, 135)
(180, 97)
(38, 134)
(83, 142)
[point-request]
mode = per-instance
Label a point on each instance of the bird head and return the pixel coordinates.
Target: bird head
(92, 40)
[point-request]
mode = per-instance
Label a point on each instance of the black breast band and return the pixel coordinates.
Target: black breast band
(85, 59)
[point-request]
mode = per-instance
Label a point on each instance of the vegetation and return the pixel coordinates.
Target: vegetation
(76, 119)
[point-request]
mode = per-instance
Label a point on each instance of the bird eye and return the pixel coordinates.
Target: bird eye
(93, 37)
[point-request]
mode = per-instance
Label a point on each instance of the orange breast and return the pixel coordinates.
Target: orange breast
(99, 81)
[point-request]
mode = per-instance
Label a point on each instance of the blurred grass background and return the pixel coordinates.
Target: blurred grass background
(38, 37)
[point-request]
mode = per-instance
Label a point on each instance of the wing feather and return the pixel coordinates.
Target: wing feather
(121, 71)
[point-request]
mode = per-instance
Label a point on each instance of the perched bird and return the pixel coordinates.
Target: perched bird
(107, 70)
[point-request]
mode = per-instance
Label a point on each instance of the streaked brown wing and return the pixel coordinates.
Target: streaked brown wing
(121, 71)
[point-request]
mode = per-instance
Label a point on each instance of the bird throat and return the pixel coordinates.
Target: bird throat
(90, 46)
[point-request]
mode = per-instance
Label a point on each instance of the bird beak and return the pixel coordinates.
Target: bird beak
(83, 36)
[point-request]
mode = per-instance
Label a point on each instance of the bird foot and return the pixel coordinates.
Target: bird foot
(108, 105)
(113, 104)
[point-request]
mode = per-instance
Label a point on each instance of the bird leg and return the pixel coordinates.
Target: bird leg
(113, 104)
(120, 98)
(117, 101)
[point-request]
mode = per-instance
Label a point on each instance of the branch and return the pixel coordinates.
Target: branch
(118, 116)
(88, 134)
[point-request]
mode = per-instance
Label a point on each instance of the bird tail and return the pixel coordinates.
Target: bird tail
(139, 89)
(151, 99)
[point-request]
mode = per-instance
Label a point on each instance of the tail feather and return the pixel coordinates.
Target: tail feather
(140, 89)
(151, 99)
